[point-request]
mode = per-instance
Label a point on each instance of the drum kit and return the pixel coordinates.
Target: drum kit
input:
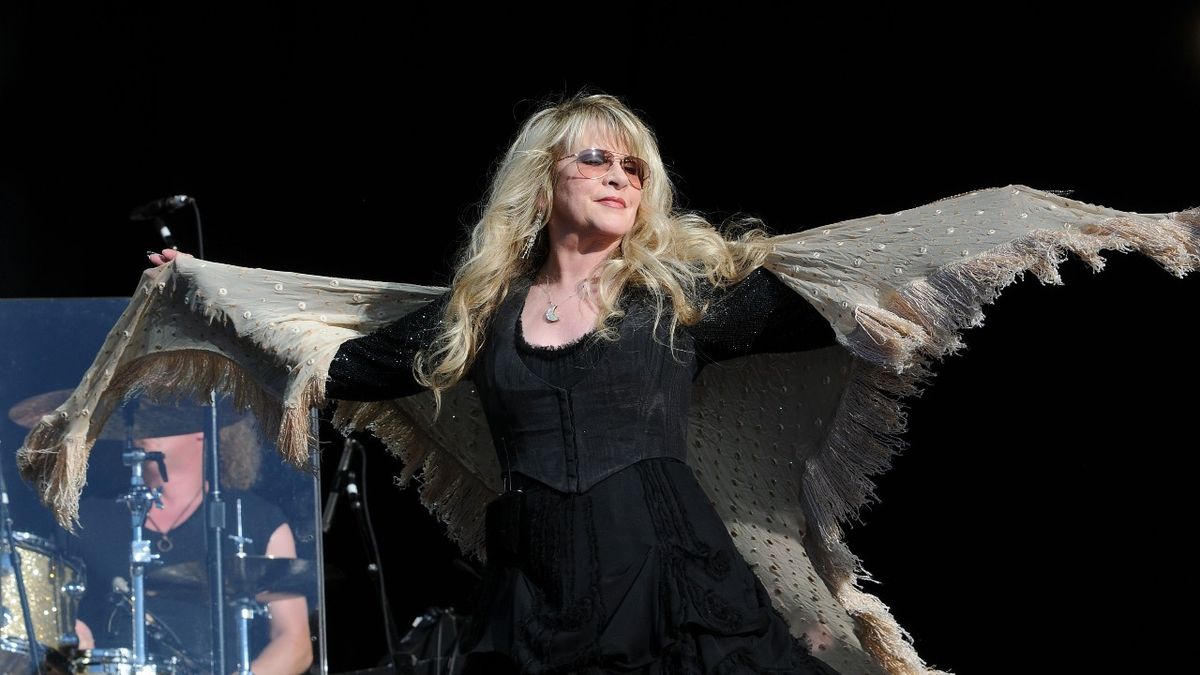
(41, 587)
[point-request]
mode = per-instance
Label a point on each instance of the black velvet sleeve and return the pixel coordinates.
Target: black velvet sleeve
(759, 314)
(378, 366)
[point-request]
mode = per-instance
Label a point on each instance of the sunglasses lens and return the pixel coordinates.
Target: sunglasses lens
(635, 169)
(594, 163)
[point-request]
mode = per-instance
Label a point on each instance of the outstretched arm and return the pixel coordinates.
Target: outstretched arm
(758, 314)
(379, 366)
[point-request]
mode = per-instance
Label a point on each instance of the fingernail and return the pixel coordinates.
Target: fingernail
(151, 252)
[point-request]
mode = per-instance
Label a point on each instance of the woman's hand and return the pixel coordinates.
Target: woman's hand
(167, 255)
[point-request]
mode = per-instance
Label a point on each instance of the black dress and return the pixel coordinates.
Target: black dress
(634, 572)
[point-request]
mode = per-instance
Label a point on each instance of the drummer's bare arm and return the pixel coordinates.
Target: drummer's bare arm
(290, 649)
(84, 633)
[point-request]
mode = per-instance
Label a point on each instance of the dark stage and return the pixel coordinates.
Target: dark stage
(1039, 512)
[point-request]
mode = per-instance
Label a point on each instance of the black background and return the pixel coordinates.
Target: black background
(1042, 499)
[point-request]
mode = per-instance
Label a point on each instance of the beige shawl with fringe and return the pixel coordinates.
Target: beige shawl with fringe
(784, 444)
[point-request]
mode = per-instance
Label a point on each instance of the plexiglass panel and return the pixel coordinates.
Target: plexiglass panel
(81, 588)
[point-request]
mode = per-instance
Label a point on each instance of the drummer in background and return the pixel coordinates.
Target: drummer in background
(177, 534)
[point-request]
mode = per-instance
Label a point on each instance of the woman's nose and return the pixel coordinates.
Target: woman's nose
(616, 176)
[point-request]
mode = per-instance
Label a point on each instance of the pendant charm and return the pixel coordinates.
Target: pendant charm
(164, 543)
(552, 314)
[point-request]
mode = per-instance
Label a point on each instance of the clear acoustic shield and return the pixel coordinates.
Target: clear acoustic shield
(82, 589)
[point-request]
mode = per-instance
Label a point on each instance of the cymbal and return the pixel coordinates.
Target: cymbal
(262, 577)
(149, 419)
(30, 411)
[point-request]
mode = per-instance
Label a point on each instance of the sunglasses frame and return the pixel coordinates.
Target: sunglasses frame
(611, 157)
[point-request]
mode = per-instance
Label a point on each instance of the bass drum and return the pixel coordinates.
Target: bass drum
(53, 585)
(120, 662)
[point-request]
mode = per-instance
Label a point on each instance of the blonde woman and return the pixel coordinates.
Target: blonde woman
(582, 308)
(680, 423)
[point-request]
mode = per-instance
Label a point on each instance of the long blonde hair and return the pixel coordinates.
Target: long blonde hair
(664, 253)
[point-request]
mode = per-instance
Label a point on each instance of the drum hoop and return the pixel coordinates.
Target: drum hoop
(15, 646)
(121, 656)
(39, 544)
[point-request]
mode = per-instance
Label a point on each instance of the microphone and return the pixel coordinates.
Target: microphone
(160, 207)
(348, 449)
(120, 597)
(156, 629)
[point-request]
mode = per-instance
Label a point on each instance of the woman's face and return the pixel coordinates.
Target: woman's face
(600, 210)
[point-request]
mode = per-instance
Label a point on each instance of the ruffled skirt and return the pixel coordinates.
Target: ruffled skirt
(638, 575)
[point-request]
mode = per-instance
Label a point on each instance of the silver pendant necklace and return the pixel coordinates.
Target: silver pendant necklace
(551, 313)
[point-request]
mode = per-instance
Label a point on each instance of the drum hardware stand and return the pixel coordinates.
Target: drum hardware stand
(11, 557)
(74, 590)
(247, 608)
(238, 538)
(140, 498)
(214, 508)
(214, 521)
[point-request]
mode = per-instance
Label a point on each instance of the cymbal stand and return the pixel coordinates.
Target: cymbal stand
(247, 608)
(140, 498)
(214, 523)
(240, 539)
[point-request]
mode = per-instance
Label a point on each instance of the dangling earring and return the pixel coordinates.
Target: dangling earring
(531, 239)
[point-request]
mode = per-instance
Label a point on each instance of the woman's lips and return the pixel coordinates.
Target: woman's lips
(614, 202)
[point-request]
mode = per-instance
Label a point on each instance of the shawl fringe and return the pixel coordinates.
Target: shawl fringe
(898, 343)
(447, 488)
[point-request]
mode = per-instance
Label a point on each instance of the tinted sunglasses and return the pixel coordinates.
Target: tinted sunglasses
(596, 163)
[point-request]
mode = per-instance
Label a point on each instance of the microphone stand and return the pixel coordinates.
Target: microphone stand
(348, 448)
(6, 530)
(214, 520)
(374, 568)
